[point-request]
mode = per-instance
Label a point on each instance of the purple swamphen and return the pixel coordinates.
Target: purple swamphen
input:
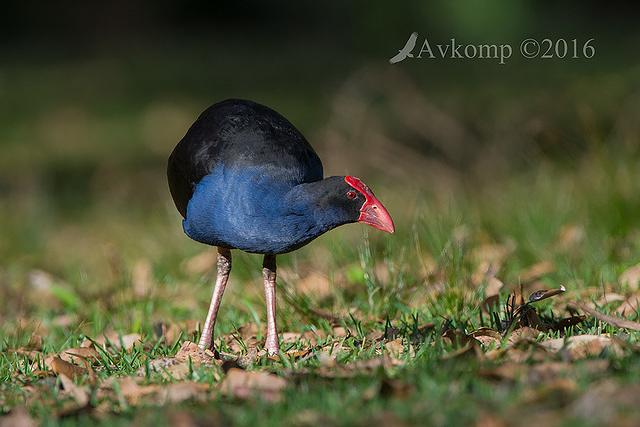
(243, 177)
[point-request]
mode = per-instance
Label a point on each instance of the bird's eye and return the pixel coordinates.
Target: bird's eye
(351, 194)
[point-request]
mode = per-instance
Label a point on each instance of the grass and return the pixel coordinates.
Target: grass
(91, 244)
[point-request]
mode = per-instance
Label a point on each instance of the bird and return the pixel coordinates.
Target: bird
(405, 52)
(243, 177)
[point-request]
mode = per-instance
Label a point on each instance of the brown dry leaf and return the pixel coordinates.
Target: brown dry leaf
(170, 333)
(570, 236)
(630, 306)
(489, 257)
(375, 336)
(35, 343)
(395, 347)
(536, 271)
(523, 334)
(163, 394)
(62, 367)
(607, 298)
(506, 372)
(493, 286)
(142, 278)
(630, 277)
(456, 338)
(84, 356)
(395, 389)
(203, 263)
(314, 284)
(331, 369)
(167, 367)
(248, 330)
(191, 351)
(32, 355)
(118, 341)
(490, 304)
(340, 331)
(78, 393)
(583, 346)
(385, 362)
(130, 390)
(312, 337)
(245, 384)
(181, 391)
(471, 349)
(611, 320)
(488, 337)
(18, 417)
(331, 318)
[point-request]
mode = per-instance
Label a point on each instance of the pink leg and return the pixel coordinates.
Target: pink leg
(269, 274)
(224, 267)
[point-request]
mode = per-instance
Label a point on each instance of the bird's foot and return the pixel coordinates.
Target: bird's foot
(272, 345)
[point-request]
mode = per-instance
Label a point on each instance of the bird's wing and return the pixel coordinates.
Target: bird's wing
(240, 134)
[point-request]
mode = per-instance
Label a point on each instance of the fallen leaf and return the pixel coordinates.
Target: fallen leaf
(321, 314)
(142, 278)
(248, 330)
(167, 367)
(78, 393)
(536, 271)
(245, 384)
(181, 391)
(630, 277)
(582, 346)
(456, 338)
(395, 347)
(490, 304)
(118, 341)
(570, 236)
(607, 298)
(488, 337)
(18, 417)
(204, 262)
(630, 306)
(471, 349)
(62, 367)
(136, 394)
(396, 389)
(191, 351)
(314, 284)
(35, 343)
(83, 356)
(340, 331)
(611, 320)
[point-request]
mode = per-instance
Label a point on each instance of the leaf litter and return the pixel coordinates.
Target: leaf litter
(514, 348)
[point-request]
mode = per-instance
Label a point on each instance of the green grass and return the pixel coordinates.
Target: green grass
(90, 212)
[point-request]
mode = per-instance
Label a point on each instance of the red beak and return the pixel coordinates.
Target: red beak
(372, 212)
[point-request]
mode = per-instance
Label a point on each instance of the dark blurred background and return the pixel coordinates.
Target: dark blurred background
(94, 95)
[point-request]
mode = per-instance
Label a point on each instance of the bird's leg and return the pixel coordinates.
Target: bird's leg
(224, 267)
(269, 274)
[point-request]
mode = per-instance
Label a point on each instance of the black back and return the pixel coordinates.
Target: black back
(240, 134)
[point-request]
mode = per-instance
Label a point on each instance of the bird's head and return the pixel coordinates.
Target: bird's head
(372, 212)
(335, 201)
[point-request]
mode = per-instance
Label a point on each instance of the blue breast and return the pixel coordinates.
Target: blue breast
(249, 210)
